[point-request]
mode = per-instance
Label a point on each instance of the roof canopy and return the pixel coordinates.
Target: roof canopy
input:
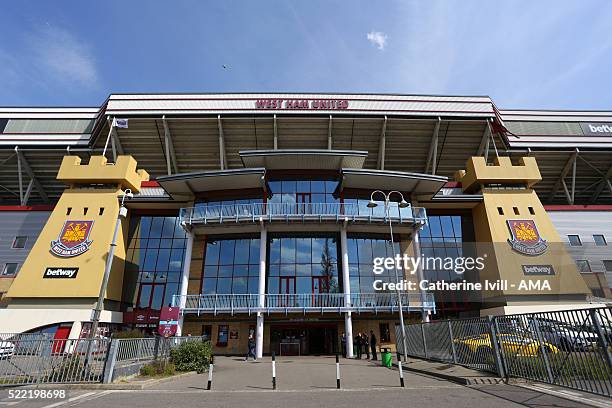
(315, 159)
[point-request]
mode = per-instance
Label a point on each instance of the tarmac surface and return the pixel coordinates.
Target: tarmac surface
(305, 382)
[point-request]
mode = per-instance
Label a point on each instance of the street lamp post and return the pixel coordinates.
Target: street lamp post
(95, 316)
(402, 204)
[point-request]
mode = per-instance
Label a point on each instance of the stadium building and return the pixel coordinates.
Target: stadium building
(255, 213)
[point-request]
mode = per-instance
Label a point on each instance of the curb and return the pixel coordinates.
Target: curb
(454, 378)
(141, 385)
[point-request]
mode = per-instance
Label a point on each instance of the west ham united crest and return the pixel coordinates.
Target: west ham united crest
(525, 237)
(73, 240)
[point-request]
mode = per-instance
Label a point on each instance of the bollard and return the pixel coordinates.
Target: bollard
(337, 371)
(273, 371)
(210, 372)
(399, 366)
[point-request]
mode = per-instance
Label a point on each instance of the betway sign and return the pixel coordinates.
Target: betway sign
(596, 129)
(291, 104)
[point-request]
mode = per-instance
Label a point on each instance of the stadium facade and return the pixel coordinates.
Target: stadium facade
(252, 213)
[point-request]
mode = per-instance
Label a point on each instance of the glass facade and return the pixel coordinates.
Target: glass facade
(361, 254)
(444, 237)
(303, 265)
(231, 266)
(155, 256)
(303, 191)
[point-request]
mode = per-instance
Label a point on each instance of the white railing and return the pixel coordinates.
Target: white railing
(330, 302)
(221, 213)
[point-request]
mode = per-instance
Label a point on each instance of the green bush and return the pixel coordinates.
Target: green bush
(129, 334)
(192, 356)
(158, 368)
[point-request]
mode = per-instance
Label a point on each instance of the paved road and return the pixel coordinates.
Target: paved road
(305, 382)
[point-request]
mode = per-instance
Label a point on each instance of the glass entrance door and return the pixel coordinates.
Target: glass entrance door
(320, 287)
(303, 201)
(286, 290)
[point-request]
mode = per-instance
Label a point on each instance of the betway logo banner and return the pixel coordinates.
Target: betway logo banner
(65, 273)
(596, 129)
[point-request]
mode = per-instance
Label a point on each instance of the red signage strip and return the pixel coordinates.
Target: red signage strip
(26, 207)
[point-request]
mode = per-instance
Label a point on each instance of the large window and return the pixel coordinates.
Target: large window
(443, 237)
(155, 253)
(303, 191)
(361, 254)
(231, 266)
(303, 265)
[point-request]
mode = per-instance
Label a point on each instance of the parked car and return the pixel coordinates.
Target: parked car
(513, 344)
(6, 349)
(566, 336)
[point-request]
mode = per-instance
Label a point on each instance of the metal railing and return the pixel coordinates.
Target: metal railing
(282, 303)
(215, 214)
(148, 349)
(571, 348)
(47, 361)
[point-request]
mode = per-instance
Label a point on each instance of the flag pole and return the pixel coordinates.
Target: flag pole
(110, 131)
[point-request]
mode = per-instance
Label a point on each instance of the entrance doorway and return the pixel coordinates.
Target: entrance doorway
(304, 339)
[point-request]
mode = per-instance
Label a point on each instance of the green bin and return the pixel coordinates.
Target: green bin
(386, 357)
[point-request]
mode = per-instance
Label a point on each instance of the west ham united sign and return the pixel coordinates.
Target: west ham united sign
(73, 240)
(525, 237)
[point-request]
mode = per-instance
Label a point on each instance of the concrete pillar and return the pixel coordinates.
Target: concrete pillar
(263, 243)
(417, 253)
(346, 288)
(185, 279)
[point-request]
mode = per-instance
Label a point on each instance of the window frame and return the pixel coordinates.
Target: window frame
(587, 263)
(569, 238)
(609, 262)
(603, 241)
(3, 274)
(25, 237)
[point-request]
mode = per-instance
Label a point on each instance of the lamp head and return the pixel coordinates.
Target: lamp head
(403, 204)
(372, 204)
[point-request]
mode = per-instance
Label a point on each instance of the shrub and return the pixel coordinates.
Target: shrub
(158, 368)
(192, 356)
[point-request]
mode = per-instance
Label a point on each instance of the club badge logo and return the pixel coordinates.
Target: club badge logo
(525, 237)
(73, 240)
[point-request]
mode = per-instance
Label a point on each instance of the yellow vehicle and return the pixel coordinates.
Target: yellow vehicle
(512, 344)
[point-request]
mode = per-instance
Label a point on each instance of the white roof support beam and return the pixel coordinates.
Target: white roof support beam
(569, 165)
(170, 154)
(330, 141)
(605, 182)
(483, 148)
(26, 196)
(382, 144)
(222, 157)
(275, 134)
(22, 163)
(432, 157)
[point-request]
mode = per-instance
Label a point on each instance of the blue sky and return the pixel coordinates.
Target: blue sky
(524, 54)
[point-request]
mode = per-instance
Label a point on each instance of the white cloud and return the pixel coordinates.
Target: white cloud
(63, 56)
(378, 38)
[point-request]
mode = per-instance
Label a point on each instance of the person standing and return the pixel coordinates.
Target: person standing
(358, 341)
(366, 345)
(251, 352)
(373, 345)
(343, 344)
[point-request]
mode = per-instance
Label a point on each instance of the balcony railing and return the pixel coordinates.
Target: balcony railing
(303, 302)
(318, 212)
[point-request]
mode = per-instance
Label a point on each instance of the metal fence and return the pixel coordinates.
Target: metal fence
(38, 359)
(27, 360)
(571, 348)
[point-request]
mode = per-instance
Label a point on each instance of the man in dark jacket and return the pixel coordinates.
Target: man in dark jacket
(373, 345)
(251, 351)
(358, 342)
(366, 345)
